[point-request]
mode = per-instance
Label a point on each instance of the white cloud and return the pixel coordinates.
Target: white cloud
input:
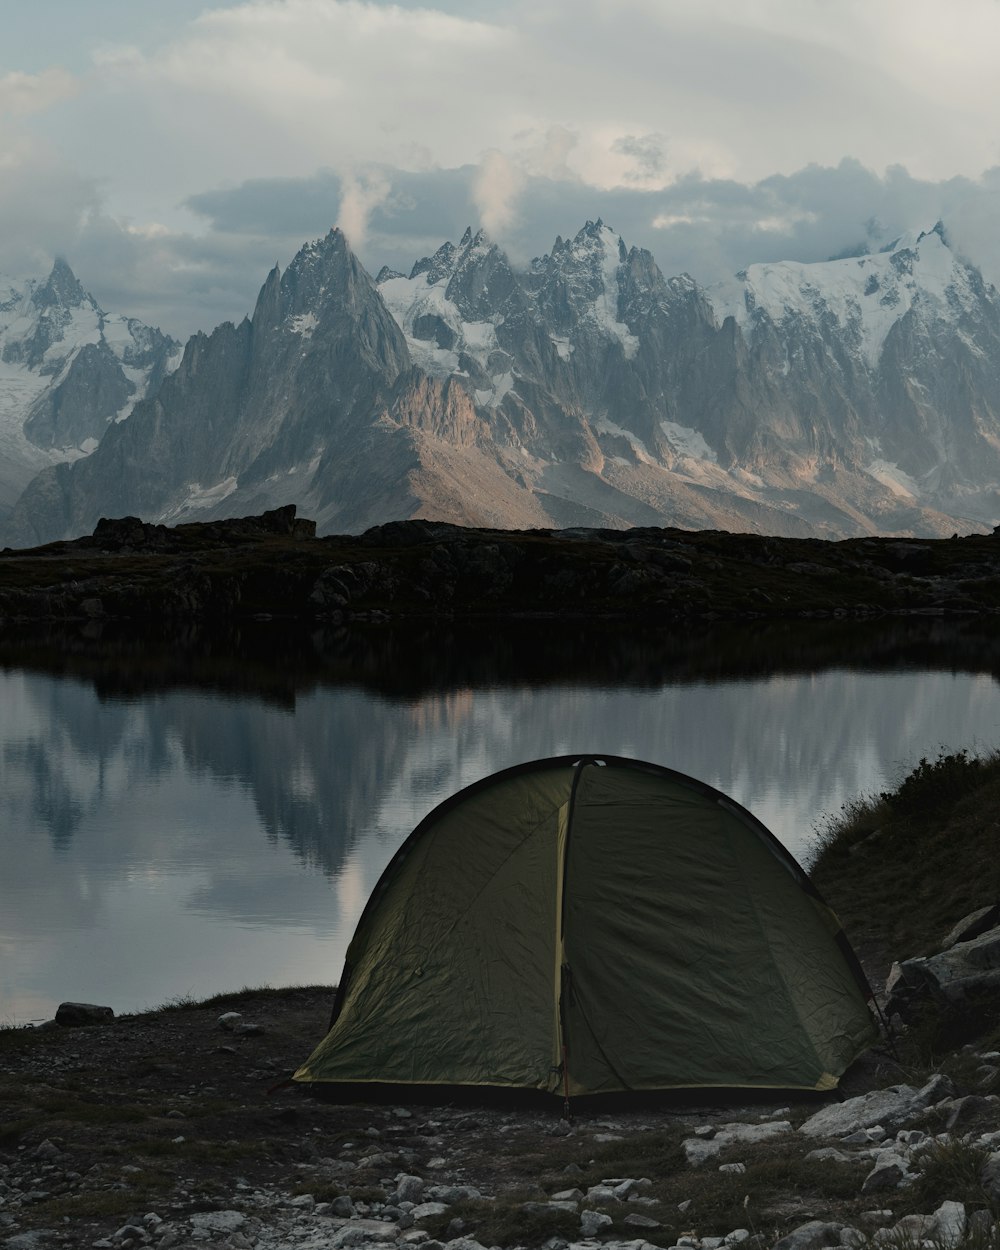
(22, 94)
(496, 189)
(714, 133)
(360, 194)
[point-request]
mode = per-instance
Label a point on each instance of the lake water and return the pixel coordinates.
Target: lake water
(184, 816)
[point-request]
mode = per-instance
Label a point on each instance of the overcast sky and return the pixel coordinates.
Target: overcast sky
(174, 151)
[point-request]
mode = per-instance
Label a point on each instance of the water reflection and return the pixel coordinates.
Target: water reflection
(185, 816)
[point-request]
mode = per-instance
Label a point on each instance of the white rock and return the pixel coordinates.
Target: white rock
(591, 1222)
(425, 1210)
(698, 1150)
(950, 1222)
(889, 1108)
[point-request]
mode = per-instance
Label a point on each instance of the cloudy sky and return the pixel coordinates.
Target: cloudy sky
(174, 151)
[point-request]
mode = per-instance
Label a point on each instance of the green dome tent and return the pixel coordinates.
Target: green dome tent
(590, 925)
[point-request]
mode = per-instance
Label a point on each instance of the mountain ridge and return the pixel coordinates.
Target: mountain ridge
(860, 395)
(67, 371)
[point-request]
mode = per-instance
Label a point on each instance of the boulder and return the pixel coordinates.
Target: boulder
(960, 1113)
(972, 925)
(967, 968)
(78, 1015)
(891, 1108)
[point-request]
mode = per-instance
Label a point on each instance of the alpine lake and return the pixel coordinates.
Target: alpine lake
(182, 815)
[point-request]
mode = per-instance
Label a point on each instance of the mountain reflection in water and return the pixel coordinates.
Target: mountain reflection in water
(186, 814)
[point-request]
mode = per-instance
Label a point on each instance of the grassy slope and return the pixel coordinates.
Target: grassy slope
(901, 868)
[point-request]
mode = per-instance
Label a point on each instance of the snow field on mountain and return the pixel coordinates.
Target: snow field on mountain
(867, 295)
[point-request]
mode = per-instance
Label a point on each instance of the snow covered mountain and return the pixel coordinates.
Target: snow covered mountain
(854, 396)
(67, 370)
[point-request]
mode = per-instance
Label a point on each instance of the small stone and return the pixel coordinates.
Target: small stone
(887, 1173)
(949, 1224)
(829, 1154)
(425, 1210)
(737, 1236)
(685, 1205)
(641, 1221)
(733, 1168)
(591, 1222)
(229, 1021)
(812, 1236)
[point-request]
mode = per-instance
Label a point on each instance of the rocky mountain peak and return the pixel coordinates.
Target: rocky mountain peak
(62, 289)
(438, 266)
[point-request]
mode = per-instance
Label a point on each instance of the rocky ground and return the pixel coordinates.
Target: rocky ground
(418, 570)
(174, 1129)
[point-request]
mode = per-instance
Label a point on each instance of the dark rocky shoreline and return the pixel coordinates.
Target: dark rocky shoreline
(274, 566)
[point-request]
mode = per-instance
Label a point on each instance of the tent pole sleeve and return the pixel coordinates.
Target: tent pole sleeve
(558, 1032)
(562, 967)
